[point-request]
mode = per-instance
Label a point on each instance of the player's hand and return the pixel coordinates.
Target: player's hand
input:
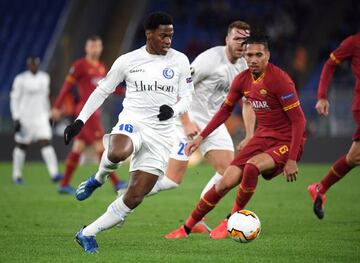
(191, 130)
(322, 107)
(193, 145)
(56, 114)
(242, 144)
(165, 112)
(291, 171)
(17, 126)
(72, 130)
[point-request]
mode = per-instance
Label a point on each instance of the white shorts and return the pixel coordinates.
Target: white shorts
(152, 145)
(33, 131)
(219, 139)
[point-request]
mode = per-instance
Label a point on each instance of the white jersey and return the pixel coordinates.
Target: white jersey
(213, 74)
(151, 81)
(29, 98)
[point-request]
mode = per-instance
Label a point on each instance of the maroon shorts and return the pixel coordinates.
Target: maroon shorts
(92, 131)
(356, 116)
(277, 149)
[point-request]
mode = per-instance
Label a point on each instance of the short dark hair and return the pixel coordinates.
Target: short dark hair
(258, 39)
(155, 19)
(238, 24)
(94, 38)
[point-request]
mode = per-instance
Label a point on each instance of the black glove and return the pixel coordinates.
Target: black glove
(72, 130)
(165, 112)
(17, 126)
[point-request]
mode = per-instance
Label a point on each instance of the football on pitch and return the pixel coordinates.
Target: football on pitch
(244, 226)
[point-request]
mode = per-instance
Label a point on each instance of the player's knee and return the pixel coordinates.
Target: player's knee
(22, 146)
(267, 177)
(353, 159)
(117, 156)
(223, 186)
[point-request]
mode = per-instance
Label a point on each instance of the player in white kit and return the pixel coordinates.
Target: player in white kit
(158, 87)
(212, 73)
(30, 110)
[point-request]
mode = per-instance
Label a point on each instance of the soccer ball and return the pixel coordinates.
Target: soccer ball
(244, 226)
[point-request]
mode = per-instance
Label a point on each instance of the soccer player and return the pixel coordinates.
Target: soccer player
(212, 82)
(84, 74)
(31, 91)
(158, 87)
(349, 49)
(277, 142)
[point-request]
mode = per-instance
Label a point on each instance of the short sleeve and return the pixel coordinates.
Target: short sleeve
(344, 51)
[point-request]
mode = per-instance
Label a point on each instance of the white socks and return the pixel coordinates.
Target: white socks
(18, 162)
(163, 183)
(106, 167)
(49, 156)
(211, 182)
(115, 214)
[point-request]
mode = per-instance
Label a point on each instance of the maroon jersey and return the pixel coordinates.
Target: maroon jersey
(348, 49)
(275, 102)
(84, 75)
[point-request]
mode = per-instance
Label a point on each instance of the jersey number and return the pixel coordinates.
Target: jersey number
(182, 147)
(282, 150)
(127, 127)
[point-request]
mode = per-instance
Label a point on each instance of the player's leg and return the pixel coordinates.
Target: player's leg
(118, 184)
(50, 159)
(220, 160)
(119, 148)
(140, 184)
(23, 138)
(71, 163)
(230, 179)
(19, 154)
(177, 164)
(339, 169)
(173, 177)
(253, 168)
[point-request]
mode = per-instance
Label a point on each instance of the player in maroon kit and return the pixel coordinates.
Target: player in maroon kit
(349, 49)
(276, 145)
(84, 74)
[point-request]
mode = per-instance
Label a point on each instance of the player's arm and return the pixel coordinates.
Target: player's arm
(15, 97)
(220, 117)
(249, 120)
(191, 128)
(201, 67)
(343, 52)
(105, 87)
(70, 81)
(291, 106)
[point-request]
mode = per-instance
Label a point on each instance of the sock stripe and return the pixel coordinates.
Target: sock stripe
(207, 202)
(336, 173)
(247, 190)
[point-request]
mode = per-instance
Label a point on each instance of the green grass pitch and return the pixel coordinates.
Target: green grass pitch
(38, 224)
